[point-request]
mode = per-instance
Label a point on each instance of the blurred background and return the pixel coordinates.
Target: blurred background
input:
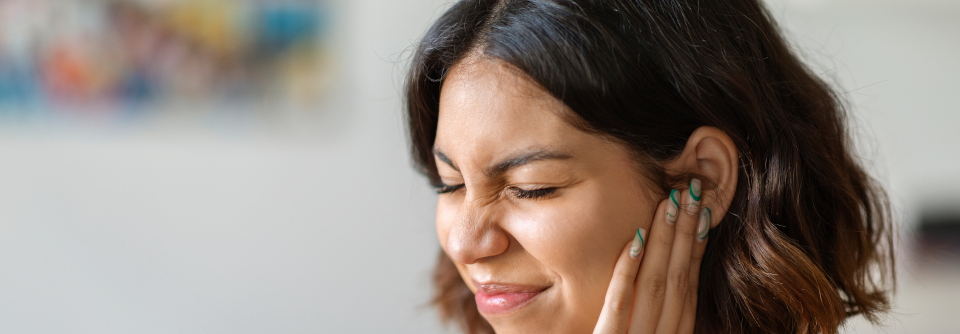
(231, 166)
(105, 54)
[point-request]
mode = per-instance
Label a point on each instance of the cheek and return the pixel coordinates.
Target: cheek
(579, 235)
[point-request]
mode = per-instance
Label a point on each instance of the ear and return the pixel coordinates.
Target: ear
(710, 154)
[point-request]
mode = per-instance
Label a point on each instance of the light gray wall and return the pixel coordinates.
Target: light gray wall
(321, 226)
(302, 225)
(896, 62)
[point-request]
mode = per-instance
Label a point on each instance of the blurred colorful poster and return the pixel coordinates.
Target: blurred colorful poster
(82, 53)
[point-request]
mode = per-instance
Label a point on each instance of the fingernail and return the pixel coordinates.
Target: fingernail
(704, 227)
(673, 207)
(638, 241)
(695, 192)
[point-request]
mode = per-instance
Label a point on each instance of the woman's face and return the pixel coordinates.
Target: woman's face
(535, 212)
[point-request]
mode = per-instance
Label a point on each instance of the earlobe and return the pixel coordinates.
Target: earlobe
(711, 155)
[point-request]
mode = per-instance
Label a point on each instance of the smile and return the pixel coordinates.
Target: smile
(499, 298)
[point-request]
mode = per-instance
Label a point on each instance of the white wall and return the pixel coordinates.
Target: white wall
(198, 226)
(306, 228)
(897, 62)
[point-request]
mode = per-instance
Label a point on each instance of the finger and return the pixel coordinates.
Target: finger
(614, 317)
(689, 317)
(678, 271)
(651, 280)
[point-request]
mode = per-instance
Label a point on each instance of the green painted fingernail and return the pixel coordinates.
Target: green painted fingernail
(703, 229)
(695, 189)
(637, 243)
(673, 207)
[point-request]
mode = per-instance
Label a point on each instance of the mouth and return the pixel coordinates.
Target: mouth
(503, 298)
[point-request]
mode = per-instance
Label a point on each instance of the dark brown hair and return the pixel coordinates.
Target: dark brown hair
(806, 242)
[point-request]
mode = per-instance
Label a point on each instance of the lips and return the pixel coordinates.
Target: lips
(499, 298)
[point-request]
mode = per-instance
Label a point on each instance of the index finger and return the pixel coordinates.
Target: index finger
(615, 315)
(651, 280)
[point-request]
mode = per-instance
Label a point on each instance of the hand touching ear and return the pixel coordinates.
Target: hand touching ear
(659, 295)
(711, 155)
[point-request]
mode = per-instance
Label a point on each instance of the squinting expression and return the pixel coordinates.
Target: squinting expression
(534, 212)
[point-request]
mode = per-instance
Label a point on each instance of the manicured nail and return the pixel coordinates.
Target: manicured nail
(695, 192)
(703, 229)
(673, 207)
(638, 241)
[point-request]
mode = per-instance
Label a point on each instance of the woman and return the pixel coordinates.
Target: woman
(640, 166)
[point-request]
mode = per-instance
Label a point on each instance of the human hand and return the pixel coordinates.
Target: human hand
(659, 294)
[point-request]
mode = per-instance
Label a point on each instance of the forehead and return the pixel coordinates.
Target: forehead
(488, 110)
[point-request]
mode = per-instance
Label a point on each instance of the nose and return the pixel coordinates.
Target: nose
(476, 233)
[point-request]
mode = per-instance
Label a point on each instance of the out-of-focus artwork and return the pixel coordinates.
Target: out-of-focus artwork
(76, 54)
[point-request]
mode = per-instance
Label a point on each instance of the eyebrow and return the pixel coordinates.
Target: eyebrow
(510, 163)
(444, 158)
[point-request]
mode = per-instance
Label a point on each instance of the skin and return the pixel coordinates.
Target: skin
(502, 138)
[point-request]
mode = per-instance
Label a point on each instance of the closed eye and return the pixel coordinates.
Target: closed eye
(446, 189)
(534, 193)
